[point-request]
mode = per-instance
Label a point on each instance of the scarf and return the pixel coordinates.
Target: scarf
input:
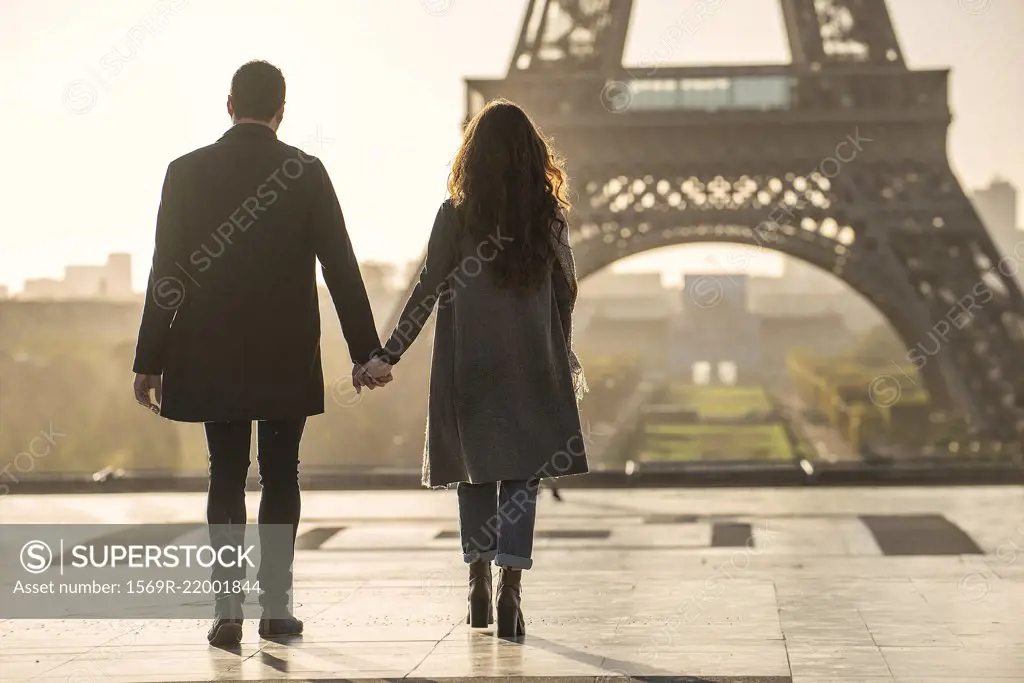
(563, 250)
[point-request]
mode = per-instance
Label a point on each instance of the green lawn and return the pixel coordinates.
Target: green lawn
(663, 439)
(719, 401)
(695, 442)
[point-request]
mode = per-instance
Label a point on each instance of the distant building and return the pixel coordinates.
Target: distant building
(112, 281)
(609, 284)
(824, 334)
(727, 326)
(623, 314)
(997, 207)
(798, 277)
(379, 278)
(407, 271)
(42, 288)
(626, 296)
(4, 292)
(119, 276)
(857, 313)
(806, 290)
(716, 339)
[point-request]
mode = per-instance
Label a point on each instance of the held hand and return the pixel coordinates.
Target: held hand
(378, 369)
(363, 377)
(359, 378)
(143, 385)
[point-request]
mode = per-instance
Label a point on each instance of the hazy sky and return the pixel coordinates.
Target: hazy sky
(375, 89)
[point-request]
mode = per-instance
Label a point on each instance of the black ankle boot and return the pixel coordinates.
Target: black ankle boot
(480, 613)
(226, 629)
(510, 613)
(280, 625)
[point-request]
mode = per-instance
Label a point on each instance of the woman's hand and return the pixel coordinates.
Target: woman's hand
(375, 373)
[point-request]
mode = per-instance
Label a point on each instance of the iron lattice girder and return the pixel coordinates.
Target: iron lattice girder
(854, 93)
(804, 215)
(571, 35)
(841, 31)
(888, 217)
(578, 36)
(905, 238)
(860, 216)
(869, 274)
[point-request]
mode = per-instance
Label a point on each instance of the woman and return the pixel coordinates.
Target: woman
(503, 379)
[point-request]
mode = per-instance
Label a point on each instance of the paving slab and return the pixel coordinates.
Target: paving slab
(726, 585)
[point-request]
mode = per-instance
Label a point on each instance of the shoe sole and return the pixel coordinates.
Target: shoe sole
(289, 634)
(226, 634)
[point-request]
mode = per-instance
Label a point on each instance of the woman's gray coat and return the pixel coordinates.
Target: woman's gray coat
(502, 404)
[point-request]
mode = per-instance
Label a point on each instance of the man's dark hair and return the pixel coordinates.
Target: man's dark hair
(257, 89)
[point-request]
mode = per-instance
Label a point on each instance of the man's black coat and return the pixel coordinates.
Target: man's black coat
(231, 318)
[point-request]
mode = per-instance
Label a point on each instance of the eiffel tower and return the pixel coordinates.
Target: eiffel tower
(837, 158)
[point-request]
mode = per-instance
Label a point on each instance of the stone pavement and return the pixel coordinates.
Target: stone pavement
(752, 585)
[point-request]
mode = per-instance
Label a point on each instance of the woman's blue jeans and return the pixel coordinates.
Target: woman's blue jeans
(496, 522)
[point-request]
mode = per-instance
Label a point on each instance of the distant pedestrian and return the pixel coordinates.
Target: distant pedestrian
(555, 492)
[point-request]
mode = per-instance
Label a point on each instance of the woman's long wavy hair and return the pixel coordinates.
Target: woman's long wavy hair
(507, 178)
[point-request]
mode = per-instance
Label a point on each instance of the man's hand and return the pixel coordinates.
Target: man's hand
(143, 385)
(376, 373)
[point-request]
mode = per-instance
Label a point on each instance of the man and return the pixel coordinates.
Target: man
(230, 333)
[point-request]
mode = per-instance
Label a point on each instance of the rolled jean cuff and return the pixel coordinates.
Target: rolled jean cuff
(487, 556)
(512, 561)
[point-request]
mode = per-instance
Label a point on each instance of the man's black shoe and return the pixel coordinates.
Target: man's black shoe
(280, 628)
(225, 632)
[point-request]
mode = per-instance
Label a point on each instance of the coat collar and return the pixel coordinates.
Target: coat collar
(249, 131)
